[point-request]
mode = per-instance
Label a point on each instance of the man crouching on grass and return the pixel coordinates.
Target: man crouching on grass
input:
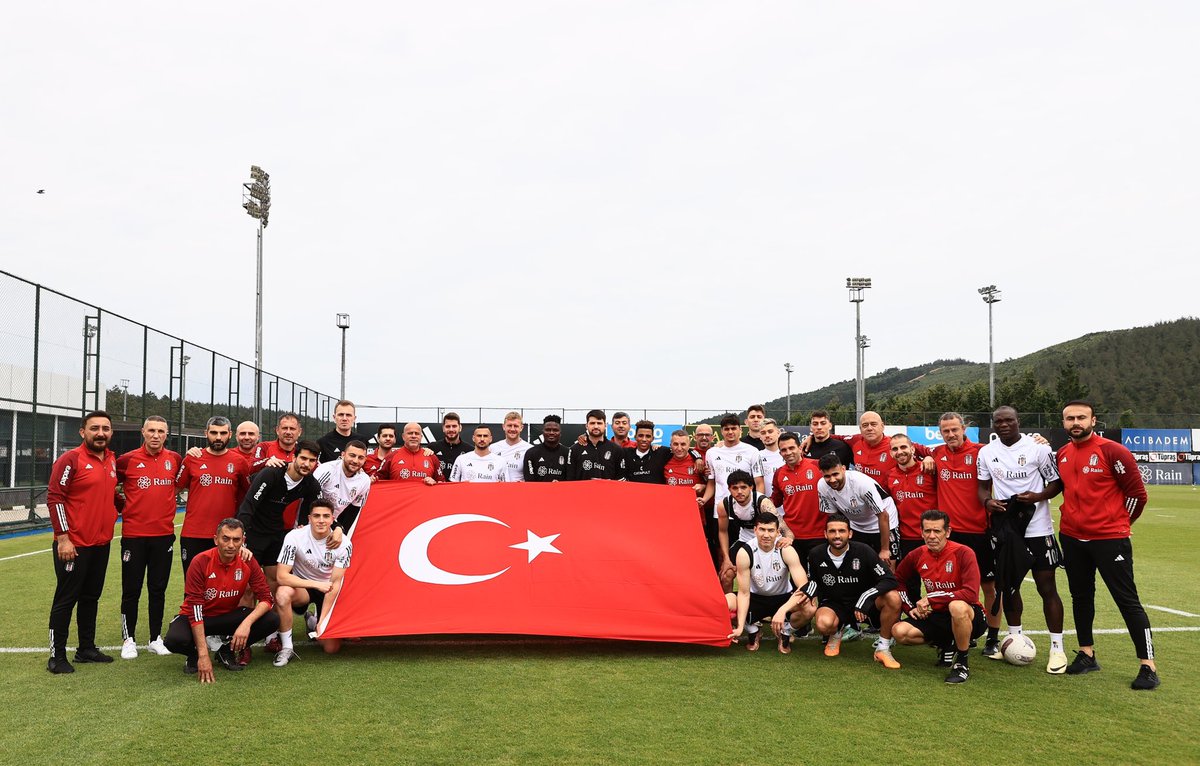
(216, 580)
(309, 572)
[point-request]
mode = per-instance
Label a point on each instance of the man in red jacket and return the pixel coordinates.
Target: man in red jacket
(83, 512)
(1103, 494)
(949, 614)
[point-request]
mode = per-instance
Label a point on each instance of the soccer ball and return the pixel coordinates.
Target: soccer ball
(1018, 650)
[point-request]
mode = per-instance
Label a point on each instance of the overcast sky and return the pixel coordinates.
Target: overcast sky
(621, 204)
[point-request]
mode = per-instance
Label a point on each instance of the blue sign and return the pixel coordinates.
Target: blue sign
(1196, 473)
(1157, 439)
(930, 436)
(1166, 473)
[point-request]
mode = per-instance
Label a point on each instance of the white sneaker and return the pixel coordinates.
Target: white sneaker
(1057, 665)
(158, 647)
(310, 620)
(129, 649)
(214, 643)
(283, 656)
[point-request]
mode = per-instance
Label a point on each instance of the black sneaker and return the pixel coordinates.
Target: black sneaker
(59, 665)
(228, 659)
(958, 674)
(945, 657)
(1146, 680)
(91, 655)
(1083, 663)
(991, 650)
(189, 665)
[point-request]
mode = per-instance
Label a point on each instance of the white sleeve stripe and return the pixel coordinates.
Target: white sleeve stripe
(940, 593)
(197, 613)
(61, 510)
(870, 593)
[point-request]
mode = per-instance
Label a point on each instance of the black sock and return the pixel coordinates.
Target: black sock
(961, 657)
(993, 635)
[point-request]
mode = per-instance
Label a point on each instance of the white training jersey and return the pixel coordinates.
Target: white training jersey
(514, 457)
(720, 461)
(1024, 467)
(310, 558)
(339, 489)
(481, 469)
(770, 460)
(769, 575)
(860, 499)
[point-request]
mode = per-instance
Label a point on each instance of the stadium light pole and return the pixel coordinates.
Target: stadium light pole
(788, 366)
(256, 199)
(343, 321)
(183, 363)
(125, 402)
(991, 294)
(856, 285)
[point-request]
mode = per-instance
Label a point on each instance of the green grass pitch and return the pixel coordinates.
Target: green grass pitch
(517, 701)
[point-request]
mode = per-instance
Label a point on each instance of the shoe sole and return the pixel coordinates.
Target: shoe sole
(1084, 672)
(1058, 671)
(81, 661)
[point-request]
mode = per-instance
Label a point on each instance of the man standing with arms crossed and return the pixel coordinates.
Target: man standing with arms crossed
(1103, 494)
(83, 513)
(147, 480)
(1016, 468)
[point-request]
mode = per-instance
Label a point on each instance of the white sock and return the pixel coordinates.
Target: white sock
(787, 629)
(1056, 642)
(884, 644)
(1014, 630)
(286, 639)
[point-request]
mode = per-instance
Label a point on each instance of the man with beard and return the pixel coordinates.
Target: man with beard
(215, 481)
(283, 449)
(547, 461)
(597, 457)
(794, 492)
(410, 462)
(344, 485)
(620, 429)
(867, 505)
(147, 480)
(480, 465)
(913, 491)
(271, 491)
(385, 440)
(448, 448)
(80, 496)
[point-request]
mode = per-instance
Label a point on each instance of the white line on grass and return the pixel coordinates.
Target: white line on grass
(1166, 609)
(45, 550)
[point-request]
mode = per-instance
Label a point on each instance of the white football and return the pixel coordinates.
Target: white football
(1018, 650)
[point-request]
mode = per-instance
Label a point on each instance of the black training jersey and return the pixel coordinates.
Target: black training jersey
(332, 444)
(262, 508)
(648, 468)
(545, 464)
(855, 582)
(605, 460)
(818, 450)
(447, 453)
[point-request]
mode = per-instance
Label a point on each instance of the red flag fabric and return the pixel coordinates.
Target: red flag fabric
(596, 559)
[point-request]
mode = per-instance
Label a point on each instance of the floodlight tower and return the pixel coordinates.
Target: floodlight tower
(991, 294)
(343, 321)
(788, 366)
(856, 285)
(256, 199)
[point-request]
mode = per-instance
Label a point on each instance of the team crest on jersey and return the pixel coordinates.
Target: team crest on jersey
(229, 468)
(920, 481)
(737, 458)
(608, 454)
(967, 460)
(949, 566)
(562, 460)
(491, 466)
(426, 464)
(1021, 460)
(587, 465)
(167, 464)
(883, 458)
(210, 594)
(945, 474)
(405, 473)
(854, 503)
(808, 474)
(854, 564)
(776, 565)
(205, 480)
(1093, 460)
(125, 555)
(237, 575)
(143, 482)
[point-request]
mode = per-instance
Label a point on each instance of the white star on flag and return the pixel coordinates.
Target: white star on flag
(537, 545)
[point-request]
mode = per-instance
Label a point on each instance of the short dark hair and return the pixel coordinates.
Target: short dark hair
(619, 415)
(308, 445)
(756, 408)
(321, 502)
(451, 416)
(765, 517)
(837, 516)
(933, 514)
(894, 437)
(829, 460)
(288, 416)
(230, 523)
(819, 414)
(681, 432)
(484, 426)
(356, 443)
(1081, 403)
(789, 436)
(731, 420)
(94, 414)
(644, 424)
(596, 414)
(385, 426)
(552, 419)
(739, 477)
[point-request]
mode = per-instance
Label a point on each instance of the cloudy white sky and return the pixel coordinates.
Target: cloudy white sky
(641, 204)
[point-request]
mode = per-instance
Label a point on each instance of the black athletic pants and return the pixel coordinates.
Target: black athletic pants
(179, 633)
(1113, 559)
(146, 558)
(190, 547)
(80, 583)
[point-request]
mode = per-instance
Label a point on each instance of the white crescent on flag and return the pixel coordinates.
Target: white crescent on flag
(414, 551)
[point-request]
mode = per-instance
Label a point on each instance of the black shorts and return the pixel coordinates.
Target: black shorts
(802, 547)
(872, 539)
(764, 607)
(937, 631)
(265, 546)
(1047, 556)
(846, 616)
(314, 597)
(985, 552)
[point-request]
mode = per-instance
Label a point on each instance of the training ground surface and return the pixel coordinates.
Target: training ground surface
(527, 700)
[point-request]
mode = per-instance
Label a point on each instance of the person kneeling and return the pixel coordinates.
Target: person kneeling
(766, 576)
(309, 572)
(950, 614)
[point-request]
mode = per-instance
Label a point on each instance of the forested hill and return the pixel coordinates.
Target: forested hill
(1139, 372)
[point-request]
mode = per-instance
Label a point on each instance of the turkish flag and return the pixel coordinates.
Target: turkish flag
(596, 559)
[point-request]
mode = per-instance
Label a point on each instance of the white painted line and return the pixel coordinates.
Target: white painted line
(47, 550)
(1170, 611)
